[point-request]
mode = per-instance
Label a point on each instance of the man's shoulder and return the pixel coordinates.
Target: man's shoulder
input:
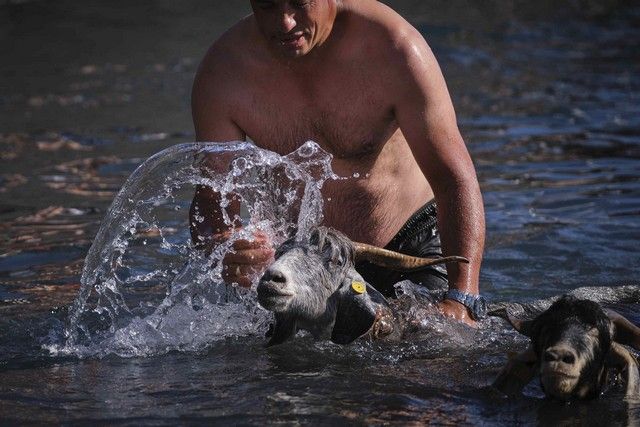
(230, 51)
(392, 34)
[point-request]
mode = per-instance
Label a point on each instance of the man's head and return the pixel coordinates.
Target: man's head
(292, 28)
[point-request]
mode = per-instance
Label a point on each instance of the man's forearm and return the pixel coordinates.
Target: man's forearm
(206, 218)
(462, 231)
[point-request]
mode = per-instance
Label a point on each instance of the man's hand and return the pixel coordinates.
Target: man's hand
(454, 309)
(250, 259)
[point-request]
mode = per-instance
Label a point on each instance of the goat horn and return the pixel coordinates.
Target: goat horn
(520, 325)
(625, 332)
(396, 260)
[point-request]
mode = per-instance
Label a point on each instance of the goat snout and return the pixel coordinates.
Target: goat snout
(560, 371)
(274, 275)
(560, 354)
(274, 292)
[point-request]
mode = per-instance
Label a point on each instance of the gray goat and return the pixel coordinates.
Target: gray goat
(314, 286)
(575, 346)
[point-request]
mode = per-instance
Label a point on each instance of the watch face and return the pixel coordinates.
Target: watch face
(480, 308)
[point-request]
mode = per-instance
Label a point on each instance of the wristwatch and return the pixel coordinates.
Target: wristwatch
(476, 304)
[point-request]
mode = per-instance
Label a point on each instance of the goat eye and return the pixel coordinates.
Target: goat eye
(336, 261)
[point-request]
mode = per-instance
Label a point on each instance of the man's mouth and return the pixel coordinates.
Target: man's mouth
(292, 40)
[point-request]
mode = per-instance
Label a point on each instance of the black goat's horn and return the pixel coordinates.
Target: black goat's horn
(396, 260)
(625, 332)
(520, 325)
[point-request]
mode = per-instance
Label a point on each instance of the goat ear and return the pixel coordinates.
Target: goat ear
(284, 329)
(525, 327)
(517, 373)
(354, 316)
(620, 358)
(625, 332)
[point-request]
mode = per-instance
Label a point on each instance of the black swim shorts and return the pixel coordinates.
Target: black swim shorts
(418, 237)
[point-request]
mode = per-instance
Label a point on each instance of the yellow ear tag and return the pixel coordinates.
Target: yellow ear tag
(358, 287)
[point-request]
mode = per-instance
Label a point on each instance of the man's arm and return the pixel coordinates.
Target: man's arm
(427, 119)
(213, 122)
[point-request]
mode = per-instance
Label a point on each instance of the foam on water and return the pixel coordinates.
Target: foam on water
(145, 290)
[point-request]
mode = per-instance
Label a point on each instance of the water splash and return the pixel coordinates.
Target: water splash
(145, 290)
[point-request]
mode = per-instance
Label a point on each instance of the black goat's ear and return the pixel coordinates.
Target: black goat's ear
(284, 328)
(620, 358)
(355, 313)
(625, 332)
(525, 327)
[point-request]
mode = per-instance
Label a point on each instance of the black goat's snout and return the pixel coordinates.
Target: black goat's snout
(559, 354)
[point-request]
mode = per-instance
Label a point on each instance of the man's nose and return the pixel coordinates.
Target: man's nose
(287, 21)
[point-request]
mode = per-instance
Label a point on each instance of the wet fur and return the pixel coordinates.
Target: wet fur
(320, 271)
(585, 327)
(582, 329)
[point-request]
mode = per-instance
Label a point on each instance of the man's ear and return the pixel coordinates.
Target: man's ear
(284, 329)
(355, 313)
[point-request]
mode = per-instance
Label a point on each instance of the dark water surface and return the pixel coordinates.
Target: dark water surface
(548, 99)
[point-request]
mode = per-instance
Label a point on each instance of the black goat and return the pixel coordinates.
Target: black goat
(575, 345)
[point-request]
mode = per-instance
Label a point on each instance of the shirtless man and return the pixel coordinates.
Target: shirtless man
(358, 79)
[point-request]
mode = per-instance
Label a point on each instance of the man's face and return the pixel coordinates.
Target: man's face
(293, 27)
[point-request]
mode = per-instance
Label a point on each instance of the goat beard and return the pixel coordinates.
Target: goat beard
(584, 382)
(558, 385)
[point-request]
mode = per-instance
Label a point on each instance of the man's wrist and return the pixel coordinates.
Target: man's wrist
(475, 303)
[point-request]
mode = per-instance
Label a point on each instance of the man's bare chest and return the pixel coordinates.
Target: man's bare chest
(347, 118)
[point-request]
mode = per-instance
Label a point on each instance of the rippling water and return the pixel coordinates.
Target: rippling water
(548, 99)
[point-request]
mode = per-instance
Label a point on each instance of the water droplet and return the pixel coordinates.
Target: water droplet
(239, 165)
(308, 149)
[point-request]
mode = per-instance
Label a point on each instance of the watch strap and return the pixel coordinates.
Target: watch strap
(475, 303)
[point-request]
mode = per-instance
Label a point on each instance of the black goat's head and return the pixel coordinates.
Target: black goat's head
(573, 343)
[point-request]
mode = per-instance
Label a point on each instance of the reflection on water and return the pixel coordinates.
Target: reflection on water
(548, 99)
